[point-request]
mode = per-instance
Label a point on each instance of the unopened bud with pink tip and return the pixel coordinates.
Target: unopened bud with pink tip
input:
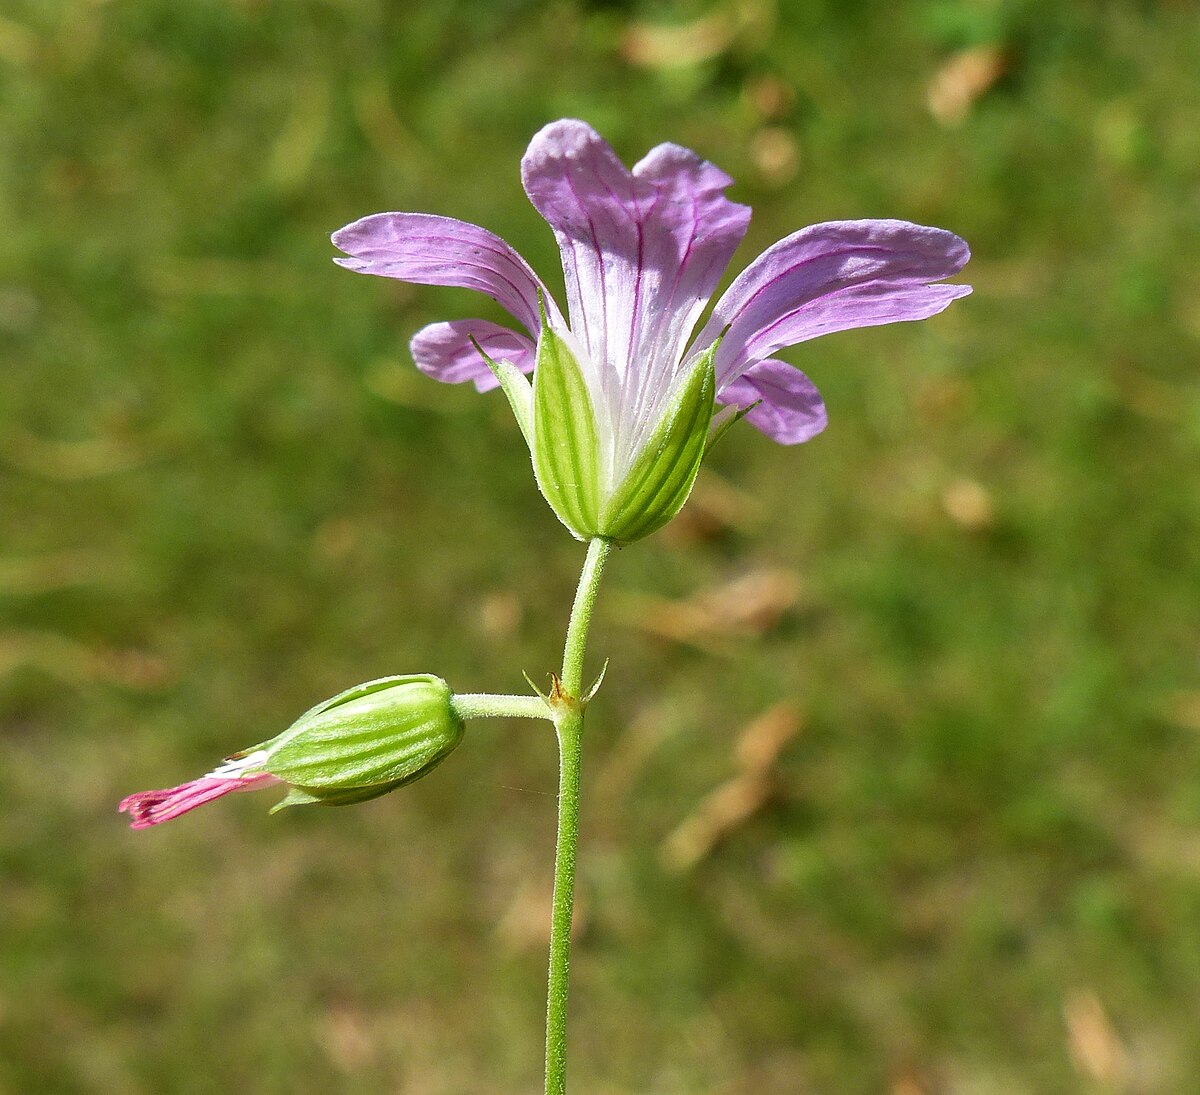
(358, 745)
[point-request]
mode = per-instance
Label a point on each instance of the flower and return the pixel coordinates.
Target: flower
(358, 745)
(642, 253)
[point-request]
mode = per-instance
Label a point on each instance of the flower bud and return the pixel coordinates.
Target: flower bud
(366, 741)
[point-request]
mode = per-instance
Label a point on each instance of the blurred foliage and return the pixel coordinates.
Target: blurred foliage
(225, 493)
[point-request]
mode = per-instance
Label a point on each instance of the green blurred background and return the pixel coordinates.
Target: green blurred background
(973, 865)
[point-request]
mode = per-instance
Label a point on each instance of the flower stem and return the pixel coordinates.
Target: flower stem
(568, 722)
(483, 705)
(581, 615)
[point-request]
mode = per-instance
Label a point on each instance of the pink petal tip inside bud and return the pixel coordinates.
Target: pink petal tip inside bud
(147, 808)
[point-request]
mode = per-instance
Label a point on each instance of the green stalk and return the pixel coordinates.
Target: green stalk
(483, 705)
(567, 711)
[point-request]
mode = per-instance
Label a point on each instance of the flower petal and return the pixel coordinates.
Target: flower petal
(791, 409)
(833, 277)
(642, 251)
(147, 808)
(445, 352)
(430, 250)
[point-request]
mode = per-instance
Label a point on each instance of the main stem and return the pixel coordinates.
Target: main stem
(568, 722)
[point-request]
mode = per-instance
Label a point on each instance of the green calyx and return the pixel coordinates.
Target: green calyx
(558, 420)
(567, 457)
(365, 741)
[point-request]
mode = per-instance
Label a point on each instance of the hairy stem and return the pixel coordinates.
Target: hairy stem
(568, 722)
(581, 616)
(483, 705)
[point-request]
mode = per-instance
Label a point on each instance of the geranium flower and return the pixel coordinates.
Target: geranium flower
(642, 253)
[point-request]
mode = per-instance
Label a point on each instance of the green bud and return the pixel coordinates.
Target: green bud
(365, 742)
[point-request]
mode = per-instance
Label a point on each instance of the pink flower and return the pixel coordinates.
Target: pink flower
(642, 252)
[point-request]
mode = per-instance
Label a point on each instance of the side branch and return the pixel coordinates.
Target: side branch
(483, 705)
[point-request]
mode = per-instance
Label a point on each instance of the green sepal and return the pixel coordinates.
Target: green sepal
(367, 740)
(349, 796)
(566, 451)
(664, 473)
(357, 692)
(516, 387)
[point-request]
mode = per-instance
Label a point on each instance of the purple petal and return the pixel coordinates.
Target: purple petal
(444, 351)
(833, 277)
(429, 250)
(791, 409)
(642, 252)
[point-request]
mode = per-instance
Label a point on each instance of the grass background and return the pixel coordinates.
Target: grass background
(225, 493)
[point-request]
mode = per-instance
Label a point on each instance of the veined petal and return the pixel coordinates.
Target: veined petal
(642, 251)
(445, 352)
(790, 409)
(431, 250)
(833, 277)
